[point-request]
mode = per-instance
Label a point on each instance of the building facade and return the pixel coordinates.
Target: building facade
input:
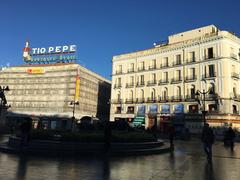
(160, 83)
(56, 90)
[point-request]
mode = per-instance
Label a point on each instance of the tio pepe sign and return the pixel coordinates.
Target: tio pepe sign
(54, 50)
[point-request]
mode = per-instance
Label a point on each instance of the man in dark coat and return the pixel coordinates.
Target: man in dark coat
(208, 140)
(230, 135)
(25, 128)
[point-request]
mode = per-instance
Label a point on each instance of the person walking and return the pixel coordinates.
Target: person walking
(230, 136)
(208, 140)
(171, 135)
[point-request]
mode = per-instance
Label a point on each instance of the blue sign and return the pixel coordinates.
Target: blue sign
(165, 109)
(141, 110)
(178, 109)
(153, 108)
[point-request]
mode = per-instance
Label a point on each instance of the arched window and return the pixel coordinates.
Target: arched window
(131, 94)
(192, 92)
(153, 94)
(119, 96)
(178, 91)
(212, 88)
(142, 94)
(165, 93)
(234, 90)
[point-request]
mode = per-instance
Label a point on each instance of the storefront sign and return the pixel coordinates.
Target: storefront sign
(153, 109)
(165, 109)
(35, 71)
(141, 110)
(178, 109)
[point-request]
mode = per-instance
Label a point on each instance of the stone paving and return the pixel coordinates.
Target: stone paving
(187, 162)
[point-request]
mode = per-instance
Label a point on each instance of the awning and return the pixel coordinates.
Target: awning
(138, 121)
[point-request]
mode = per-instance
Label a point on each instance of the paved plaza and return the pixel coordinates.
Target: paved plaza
(187, 162)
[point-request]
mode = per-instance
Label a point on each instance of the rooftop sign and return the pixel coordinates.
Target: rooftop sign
(51, 54)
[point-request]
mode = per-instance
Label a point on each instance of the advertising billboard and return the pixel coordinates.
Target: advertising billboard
(141, 110)
(178, 109)
(64, 53)
(165, 109)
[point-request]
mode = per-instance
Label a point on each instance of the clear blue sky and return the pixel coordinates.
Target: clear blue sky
(104, 28)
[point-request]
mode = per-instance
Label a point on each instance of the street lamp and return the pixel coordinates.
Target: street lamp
(74, 103)
(198, 93)
(3, 103)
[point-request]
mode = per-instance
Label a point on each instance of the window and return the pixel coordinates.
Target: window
(211, 70)
(192, 56)
(178, 75)
(209, 53)
(131, 67)
(165, 62)
(142, 93)
(178, 59)
(153, 77)
(153, 63)
(131, 80)
(119, 82)
(212, 89)
(165, 77)
(142, 79)
(178, 91)
(153, 95)
(165, 93)
(234, 90)
(192, 92)
(131, 95)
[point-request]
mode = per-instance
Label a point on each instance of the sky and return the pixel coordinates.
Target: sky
(104, 28)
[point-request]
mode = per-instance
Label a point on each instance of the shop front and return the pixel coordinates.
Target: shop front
(165, 118)
(139, 120)
(152, 116)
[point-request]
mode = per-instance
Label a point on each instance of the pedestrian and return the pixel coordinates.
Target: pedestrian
(208, 140)
(230, 136)
(171, 135)
(25, 128)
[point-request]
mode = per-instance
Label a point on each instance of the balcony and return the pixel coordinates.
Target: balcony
(190, 98)
(130, 70)
(129, 101)
(177, 63)
(176, 80)
(140, 84)
(118, 72)
(116, 101)
(235, 75)
(191, 78)
(233, 56)
(165, 65)
(141, 69)
(140, 100)
(130, 112)
(209, 76)
(211, 97)
(118, 112)
(210, 56)
(117, 86)
(191, 61)
(129, 85)
(151, 100)
(163, 99)
(163, 82)
(151, 83)
(176, 98)
(235, 112)
(236, 97)
(152, 67)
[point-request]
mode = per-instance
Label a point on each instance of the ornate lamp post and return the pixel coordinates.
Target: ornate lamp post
(3, 102)
(74, 103)
(198, 93)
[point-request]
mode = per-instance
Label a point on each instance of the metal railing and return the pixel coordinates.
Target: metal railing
(190, 78)
(163, 81)
(152, 83)
(209, 75)
(176, 80)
